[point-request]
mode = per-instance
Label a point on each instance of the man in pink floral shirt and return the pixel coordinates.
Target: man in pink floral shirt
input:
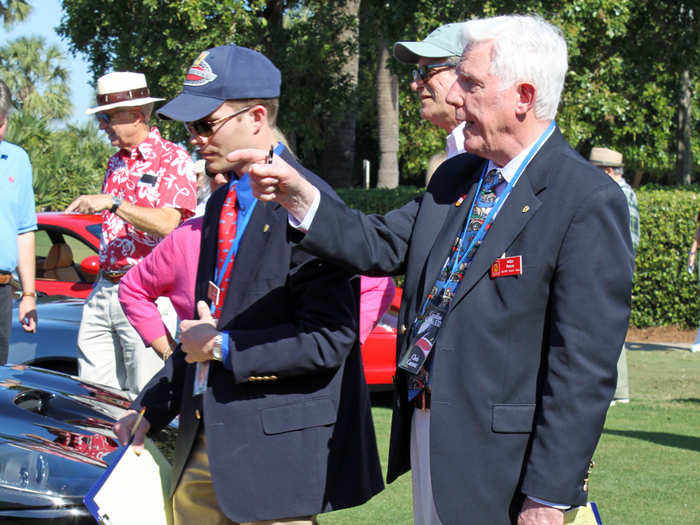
(148, 189)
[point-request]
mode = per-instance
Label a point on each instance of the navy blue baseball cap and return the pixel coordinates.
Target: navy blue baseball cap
(222, 73)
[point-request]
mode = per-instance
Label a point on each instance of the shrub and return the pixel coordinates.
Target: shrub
(664, 292)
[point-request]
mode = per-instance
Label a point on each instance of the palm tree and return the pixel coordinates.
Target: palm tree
(13, 11)
(387, 117)
(35, 74)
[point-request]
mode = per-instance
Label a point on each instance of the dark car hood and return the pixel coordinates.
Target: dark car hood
(55, 437)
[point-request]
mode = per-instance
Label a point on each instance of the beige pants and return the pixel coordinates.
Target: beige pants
(424, 512)
(194, 500)
(110, 351)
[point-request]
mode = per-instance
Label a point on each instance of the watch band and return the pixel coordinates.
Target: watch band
(216, 349)
(116, 202)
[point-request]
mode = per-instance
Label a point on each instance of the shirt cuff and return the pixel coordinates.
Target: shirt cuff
(548, 503)
(225, 350)
(305, 223)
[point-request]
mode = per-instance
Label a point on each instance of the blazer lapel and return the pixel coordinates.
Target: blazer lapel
(253, 245)
(449, 224)
(520, 206)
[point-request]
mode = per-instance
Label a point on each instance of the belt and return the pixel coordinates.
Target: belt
(5, 278)
(113, 276)
(422, 400)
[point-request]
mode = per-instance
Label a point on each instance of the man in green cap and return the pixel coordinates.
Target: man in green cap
(436, 58)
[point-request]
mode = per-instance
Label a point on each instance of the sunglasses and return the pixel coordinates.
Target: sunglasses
(425, 72)
(107, 118)
(205, 128)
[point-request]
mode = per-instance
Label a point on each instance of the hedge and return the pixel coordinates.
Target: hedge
(664, 292)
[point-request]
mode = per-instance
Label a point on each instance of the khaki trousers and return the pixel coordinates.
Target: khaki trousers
(194, 500)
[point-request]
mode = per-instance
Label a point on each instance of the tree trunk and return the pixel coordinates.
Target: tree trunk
(683, 152)
(387, 118)
(338, 158)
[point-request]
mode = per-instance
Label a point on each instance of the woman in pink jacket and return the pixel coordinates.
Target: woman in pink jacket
(170, 270)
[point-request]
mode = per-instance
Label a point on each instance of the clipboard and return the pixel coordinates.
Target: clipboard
(583, 515)
(134, 489)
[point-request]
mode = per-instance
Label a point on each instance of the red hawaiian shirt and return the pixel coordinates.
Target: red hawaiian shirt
(155, 174)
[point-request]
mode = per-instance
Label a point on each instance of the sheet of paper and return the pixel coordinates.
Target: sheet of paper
(135, 489)
(581, 516)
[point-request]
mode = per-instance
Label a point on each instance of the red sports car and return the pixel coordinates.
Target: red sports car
(66, 253)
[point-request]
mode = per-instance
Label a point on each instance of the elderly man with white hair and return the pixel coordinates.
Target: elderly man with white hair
(148, 189)
(518, 266)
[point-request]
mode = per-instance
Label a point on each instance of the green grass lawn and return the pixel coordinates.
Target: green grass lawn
(647, 462)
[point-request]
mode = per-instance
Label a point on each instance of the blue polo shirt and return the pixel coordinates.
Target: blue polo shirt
(17, 209)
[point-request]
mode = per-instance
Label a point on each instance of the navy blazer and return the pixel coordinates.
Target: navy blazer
(289, 428)
(524, 366)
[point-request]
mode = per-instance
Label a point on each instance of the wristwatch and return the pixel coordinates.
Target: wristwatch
(116, 202)
(216, 349)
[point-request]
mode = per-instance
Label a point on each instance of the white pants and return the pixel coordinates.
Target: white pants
(110, 351)
(424, 512)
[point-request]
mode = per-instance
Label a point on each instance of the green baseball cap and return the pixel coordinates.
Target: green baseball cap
(445, 41)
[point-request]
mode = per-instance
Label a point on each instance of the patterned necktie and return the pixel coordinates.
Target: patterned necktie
(436, 302)
(227, 232)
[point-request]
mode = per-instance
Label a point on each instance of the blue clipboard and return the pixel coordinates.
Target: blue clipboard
(89, 499)
(142, 481)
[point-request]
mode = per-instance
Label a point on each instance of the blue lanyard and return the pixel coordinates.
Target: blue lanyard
(497, 206)
(233, 248)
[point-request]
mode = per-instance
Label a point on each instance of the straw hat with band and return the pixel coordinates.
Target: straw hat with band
(606, 157)
(121, 89)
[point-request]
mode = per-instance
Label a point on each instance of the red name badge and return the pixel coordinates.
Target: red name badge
(506, 266)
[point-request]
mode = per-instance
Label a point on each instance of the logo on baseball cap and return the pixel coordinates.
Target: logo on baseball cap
(219, 74)
(200, 72)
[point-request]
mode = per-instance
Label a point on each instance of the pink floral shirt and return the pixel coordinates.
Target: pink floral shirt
(155, 174)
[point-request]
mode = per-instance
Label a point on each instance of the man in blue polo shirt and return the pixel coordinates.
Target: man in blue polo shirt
(17, 225)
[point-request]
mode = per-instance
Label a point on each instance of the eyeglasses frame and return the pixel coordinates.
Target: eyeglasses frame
(209, 130)
(427, 71)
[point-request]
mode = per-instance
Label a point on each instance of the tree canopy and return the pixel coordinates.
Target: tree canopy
(624, 88)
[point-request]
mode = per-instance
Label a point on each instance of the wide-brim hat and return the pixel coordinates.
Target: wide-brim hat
(121, 89)
(606, 157)
(445, 41)
(219, 74)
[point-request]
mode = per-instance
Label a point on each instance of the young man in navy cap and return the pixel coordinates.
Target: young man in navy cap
(275, 422)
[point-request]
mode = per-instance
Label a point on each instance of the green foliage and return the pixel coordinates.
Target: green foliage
(162, 38)
(13, 11)
(65, 163)
(664, 292)
(625, 62)
(379, 200)
(37, 77)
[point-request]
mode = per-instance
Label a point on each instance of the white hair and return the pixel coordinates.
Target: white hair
(525, 49)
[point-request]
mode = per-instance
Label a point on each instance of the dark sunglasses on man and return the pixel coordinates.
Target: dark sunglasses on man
(425, 72)
(205, 128)
(107, 118)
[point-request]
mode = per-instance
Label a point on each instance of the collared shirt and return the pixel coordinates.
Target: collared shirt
(17, 209)
(634, 211)
(454, 144)
(155, 174)
(508, 171)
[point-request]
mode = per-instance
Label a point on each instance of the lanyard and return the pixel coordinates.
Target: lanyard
(481, 233)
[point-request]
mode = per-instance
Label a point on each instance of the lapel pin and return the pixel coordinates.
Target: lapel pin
(266, 228)
(526, 208)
